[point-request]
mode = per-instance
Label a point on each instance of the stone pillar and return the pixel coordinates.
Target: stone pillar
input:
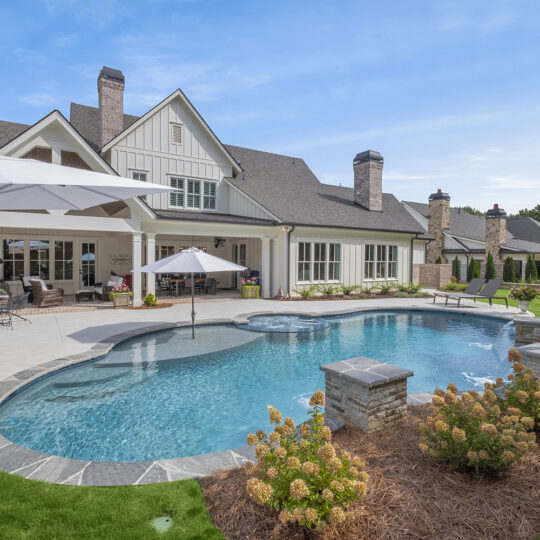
(438, 221)
(137, 263)
(111, 83)
(265, 266)
(528, 341)
(367, 168)
(495, 232)
(365, 393)
(150, 258)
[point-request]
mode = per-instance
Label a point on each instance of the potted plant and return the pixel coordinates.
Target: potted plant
(121, 295)
(523, 296)
(250, 288)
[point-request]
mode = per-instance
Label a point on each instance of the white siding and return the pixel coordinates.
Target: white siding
(419, 252)
(241, 204)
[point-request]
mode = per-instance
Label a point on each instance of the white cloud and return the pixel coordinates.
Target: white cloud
(39, 99)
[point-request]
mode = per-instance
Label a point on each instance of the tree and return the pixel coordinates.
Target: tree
(509, 270)
(473, 270)
(532, 213)
(438, 260)
(456, 268)
(491, 273)
(472, 211)
(531, 274)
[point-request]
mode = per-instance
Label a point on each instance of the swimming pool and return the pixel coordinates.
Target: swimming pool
(161, 396)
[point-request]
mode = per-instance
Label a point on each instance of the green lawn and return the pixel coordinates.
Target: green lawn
(534, 305)
(30, 509)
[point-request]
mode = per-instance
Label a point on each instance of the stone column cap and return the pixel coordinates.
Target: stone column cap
(366, 371)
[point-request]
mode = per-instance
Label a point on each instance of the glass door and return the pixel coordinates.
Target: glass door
(88, 264)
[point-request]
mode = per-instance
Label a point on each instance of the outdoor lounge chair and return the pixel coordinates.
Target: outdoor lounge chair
(27, 287)
(474, 288)
(44, 297)
(9, 306)
(102, 290)
(487, 293)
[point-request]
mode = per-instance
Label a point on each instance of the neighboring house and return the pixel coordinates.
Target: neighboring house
(265, 211)
(458, 233)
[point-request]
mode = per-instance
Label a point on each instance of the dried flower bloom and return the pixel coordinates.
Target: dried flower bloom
(508, 457)
(489, 396)
(472, 456)
(327, 452)
(514, 355)
(437, 401)
(259, 491)
(310, 515)
(304, 430)
(478, 411)
(483, 455)
(317, 399)
(345, 455)
(298, 489)
(280, 452)
(293, 462)
(260, 435)
(335, 464)
(325, 433)
(337, 515)
(522, 396)
(514, 411)
(537, 396)
(489, 430)
(458, 434)
(261, 450)
(289, 423)
(285, 517)
(286, 430)
(275, 437)
(423, 447)
(275, 416)
(439, 392)
(358, 462)
(507, 440)
(310, 468)
(522, 447)
(528, 422)
(450, 398)
(250, 467)
(303, 443)
(294, 447)
(327, 495)
(496, 410)
(474, 394)
(466, 397)
(452, 388)
(360, 489)
(298, 515)
(336, 486)
(498, 382)
(252, 439)
(272, 473)
(441, 426)
(519, 367)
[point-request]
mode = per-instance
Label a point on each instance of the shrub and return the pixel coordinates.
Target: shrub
(473, 270)
(409, 288)
(348, 289)
(385, 288)
(438, 260)
(531, 274)
(523, 390)
(306, 292)
(418, 294)
(509, 270)
(474, 432)
(303, 475)
(401, 294)
(326, 289)
(490, 267)
(523, 294)
(456, 269)
(453, 286)
(150, 300)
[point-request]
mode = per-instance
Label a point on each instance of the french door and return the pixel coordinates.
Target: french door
(88, 264)
(238, 257)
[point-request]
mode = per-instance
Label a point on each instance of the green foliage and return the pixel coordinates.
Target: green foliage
(347, 290)
(384, 288)
(150, 300)
(475, 432)
(456, 268)
(327, 289)
(509, 270)
(523, 294)
(532, 213)
(306, 292)
(473, 270)
(401, 294)
(409, 288)
(303, 475)
(472, 211)
(531, 274)
(454, 286)
(438, 260)
(490, 267)
(523, 390)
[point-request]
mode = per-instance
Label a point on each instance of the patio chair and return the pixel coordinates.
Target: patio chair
(5, 287)
(27, 287)
(8, 308)
(209, 286)
(474, 288)
(44, 297)
(102, 290)
(487, 293)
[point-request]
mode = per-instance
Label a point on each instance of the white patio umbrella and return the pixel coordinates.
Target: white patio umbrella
(27, 184)
(190, 261)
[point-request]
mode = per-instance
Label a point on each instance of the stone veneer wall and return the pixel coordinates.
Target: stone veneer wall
(433, 276)
(365, 393)
(438, 220)
(111, 108)
(495, 237)
(528, 342)
(368, 184)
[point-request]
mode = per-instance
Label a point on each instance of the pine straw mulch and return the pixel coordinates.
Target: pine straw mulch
(409, 496)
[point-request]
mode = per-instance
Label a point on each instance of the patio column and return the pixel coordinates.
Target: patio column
(137, 263)
(265, 266)
(150, 258)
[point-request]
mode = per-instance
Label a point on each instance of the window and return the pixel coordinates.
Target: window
(209, 197)
(164, 251)
(13, 259)
(141, 177)
(63, 260)
(88, 264)
(304, 261)
(193, 194)
(176, 133)
(380, 262)
(39, 258)
(319, 261)
(176, 198)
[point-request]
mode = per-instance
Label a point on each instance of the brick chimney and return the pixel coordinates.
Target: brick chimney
(438, 221)
(368, 167)
(111, 83)
(495, 232)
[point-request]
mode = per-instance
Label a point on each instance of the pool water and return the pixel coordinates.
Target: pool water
(147, 400)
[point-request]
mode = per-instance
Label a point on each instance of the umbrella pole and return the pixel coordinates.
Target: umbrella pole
(192, 307)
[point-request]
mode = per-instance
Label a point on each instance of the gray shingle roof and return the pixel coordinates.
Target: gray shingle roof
(10, 130)
(85, 120)
(286, 187)
(525, 228)
(212, 217)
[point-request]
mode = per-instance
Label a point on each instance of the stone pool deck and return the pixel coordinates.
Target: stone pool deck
(53, 341)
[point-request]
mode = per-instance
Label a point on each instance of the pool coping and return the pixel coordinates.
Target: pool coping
(31, 464)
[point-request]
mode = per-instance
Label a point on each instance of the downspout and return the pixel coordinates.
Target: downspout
(289, 231)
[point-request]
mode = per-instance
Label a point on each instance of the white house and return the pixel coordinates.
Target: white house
(265, 211)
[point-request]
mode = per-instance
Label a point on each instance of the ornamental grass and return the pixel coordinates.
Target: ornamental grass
(301, 474)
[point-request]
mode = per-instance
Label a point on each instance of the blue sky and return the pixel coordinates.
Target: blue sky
(448, 92)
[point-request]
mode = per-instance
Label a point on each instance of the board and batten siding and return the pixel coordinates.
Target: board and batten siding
(352, 252)
(240, 204)
(149, 148)
(419, 252)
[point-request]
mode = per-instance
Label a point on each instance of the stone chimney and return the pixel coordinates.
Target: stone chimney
(368, 167)
(495, 232)
(111, 84)
(438, 221)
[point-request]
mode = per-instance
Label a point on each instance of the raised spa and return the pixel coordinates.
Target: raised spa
(162, 395)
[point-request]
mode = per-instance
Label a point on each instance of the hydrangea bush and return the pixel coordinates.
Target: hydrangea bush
(476, 432)
(304, 475)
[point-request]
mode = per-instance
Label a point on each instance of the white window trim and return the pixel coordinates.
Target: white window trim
(182, 132)
(201, 193)
(375, 279)
(312, 261)
(141, 171)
